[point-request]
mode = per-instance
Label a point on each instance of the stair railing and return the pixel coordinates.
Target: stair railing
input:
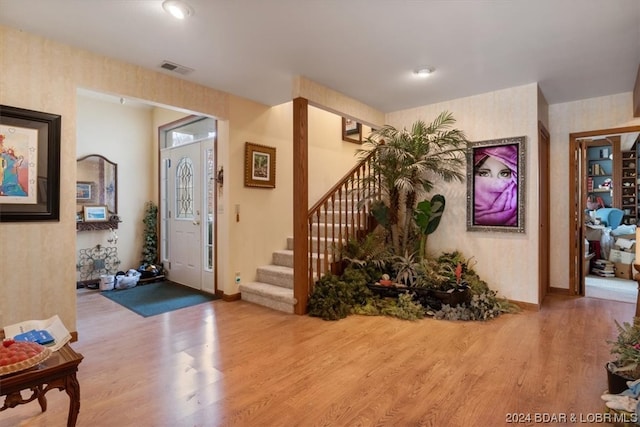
(345, 201)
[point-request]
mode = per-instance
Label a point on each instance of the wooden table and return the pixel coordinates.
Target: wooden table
(58, 371)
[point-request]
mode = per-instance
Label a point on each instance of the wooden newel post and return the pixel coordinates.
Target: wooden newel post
(300, 204)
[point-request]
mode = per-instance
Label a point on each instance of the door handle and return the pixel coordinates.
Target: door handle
(196, 222)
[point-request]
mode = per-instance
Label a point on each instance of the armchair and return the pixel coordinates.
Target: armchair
(611, 217)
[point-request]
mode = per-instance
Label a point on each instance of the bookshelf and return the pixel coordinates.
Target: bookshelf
(600, 173)
(629, 188)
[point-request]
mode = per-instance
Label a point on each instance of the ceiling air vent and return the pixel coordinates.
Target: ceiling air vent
(176, 68)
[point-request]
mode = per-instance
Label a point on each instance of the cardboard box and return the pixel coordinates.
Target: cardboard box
(623, 257)
(594, 232)
(624, 271)
(587, 263)
(626, 236)
(624, 244)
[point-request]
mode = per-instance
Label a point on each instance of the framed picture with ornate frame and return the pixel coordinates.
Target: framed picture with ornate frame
(351, 131)
(30, 165)
(259, 166)
(496, 185)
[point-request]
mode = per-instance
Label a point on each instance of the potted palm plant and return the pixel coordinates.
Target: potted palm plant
(405, 164)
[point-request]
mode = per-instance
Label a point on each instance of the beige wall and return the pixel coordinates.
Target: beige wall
(580, 116)
(336, 102)
(330, 158)
(37, 260)
(126, 134)
(256, 235)
(266, 215)
(507, 261)
(42, 256)
(122, 134)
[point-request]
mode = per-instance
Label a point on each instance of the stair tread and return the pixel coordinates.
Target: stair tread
(274, 284)
(329, 238)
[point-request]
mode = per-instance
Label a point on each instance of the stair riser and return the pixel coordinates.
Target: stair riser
(330, 231)
(284, 280)
(344, 204)
(274, 274)
(332, 216)
(286, 260)
(267, 302)
(329, 244)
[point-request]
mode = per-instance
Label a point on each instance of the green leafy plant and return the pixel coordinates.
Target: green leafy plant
(403, 307)
(404, 164)
(334, 297)
(483, 306)
(427, 216)
(150, 234)
(440, 273)
(406, 268)
(369, 252)
(626, 348)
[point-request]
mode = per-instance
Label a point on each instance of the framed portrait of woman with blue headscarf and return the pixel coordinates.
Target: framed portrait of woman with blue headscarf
(495, 185)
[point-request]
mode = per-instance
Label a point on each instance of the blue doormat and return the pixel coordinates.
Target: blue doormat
(156, 298)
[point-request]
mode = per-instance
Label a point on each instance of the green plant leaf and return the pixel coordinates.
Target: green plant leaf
(428, 214)
(381, 213)
(422, 215)
(437, 209)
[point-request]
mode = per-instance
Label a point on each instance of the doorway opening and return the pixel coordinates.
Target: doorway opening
(603, 180)
(544, 237)
(188, 201)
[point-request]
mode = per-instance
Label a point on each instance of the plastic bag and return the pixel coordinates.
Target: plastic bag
(624, 229)
(127, 281)
(606, 243)
(106, 282)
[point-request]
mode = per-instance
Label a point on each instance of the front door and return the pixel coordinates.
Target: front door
(185, 215)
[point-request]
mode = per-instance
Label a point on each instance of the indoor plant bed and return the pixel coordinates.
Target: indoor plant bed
(386, 291)
(427, 297)
(396, 289)
(455, 296)
(626, 347)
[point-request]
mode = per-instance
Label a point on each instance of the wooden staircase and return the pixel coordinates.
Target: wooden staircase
(333, 220)
(273, 287)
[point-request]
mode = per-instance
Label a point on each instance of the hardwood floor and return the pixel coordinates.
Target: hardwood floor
(239, 364)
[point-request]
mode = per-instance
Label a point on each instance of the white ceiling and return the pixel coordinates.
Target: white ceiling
(366, 49)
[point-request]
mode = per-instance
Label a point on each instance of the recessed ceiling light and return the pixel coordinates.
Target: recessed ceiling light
(177, 8)
(424, 72)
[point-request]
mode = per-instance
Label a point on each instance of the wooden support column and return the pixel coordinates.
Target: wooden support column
(300, 203)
